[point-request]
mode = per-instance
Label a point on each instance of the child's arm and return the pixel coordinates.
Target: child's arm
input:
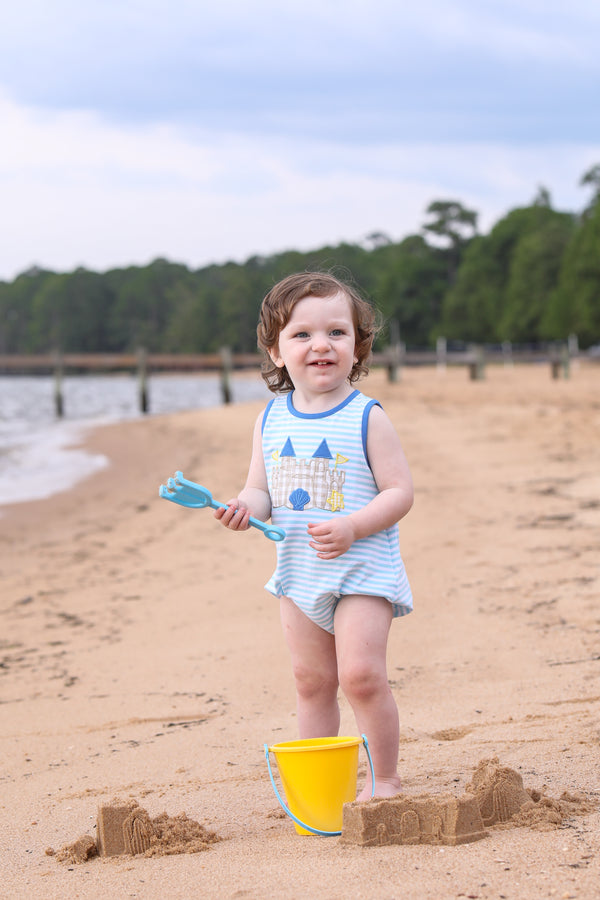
(254, 498)
(395, 497)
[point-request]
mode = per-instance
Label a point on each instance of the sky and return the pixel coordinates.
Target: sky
(204, 131)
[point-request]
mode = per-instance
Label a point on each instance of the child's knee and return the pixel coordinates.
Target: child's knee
(311, 683)
(362, 681)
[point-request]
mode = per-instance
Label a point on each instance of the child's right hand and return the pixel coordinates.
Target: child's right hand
(235, 516)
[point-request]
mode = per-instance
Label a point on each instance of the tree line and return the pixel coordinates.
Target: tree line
(534, 277)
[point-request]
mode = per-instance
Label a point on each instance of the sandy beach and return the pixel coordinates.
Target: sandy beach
(142, 658)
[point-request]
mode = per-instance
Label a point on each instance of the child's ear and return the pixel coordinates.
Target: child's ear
(275, 358)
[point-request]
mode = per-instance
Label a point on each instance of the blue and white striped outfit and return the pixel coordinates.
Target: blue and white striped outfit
(317, 468)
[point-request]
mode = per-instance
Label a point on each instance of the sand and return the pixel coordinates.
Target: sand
(141, 658)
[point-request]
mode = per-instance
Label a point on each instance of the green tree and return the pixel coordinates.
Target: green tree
(575, 305)
(506, 277)
(451, 221)
(455, 226)
(470, 307)
(142, 308)
(194, 314)
(533, 275)
(71, 312)
(447, 280)
(542, 198)
(411, 288)
(591, 178)
(16, 310)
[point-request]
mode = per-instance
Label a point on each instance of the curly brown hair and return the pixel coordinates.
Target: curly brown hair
(276, 311)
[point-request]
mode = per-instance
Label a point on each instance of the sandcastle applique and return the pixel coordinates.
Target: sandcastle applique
(308, 483)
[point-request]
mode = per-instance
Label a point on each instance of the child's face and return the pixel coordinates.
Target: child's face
(317, 344)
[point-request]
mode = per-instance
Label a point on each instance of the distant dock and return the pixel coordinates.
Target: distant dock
(475, 358)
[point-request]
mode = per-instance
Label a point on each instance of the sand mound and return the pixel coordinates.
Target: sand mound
(504, 801)
(544, 813)
(79, 851)
(178, 834)
(125, 828)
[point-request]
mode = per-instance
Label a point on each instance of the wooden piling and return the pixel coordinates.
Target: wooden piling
(142, 368)
(477, 363)
(565, 358)
(560, 361)
(573, 345)
(226, 367)
(441, 354)
(59, 406)
(394, 353)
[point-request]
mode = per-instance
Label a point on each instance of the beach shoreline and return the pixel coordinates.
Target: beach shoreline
(142, 657)
(41, 455)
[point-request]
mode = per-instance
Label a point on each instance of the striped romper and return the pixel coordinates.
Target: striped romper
(317, 467)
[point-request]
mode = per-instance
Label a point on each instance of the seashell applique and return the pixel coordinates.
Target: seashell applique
(299, 498)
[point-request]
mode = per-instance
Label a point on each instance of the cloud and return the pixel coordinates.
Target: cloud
(82, 191)
(383, 70)
(136, 128)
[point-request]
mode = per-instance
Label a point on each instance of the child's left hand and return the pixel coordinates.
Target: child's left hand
(333, 537)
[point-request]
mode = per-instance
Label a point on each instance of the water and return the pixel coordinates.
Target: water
(39, 455)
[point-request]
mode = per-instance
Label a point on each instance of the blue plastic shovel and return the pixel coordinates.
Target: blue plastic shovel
(195, 496)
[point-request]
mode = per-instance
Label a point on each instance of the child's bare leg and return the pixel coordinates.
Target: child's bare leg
(314, 665)
(361, 631)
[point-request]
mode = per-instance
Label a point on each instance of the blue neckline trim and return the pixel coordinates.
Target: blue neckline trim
(323, 415)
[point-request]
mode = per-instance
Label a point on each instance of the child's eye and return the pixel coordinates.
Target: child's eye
(301, 334)
(336, 332)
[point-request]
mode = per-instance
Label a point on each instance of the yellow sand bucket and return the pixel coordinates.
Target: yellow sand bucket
(318, 777)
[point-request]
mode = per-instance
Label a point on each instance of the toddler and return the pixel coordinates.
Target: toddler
(327, 465)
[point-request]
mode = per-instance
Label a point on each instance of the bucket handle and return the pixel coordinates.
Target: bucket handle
(288, 811)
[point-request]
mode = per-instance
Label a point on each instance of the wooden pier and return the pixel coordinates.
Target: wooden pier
(394, 358)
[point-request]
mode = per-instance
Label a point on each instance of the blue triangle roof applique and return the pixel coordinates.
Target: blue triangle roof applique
(288, 449)
(322, 451)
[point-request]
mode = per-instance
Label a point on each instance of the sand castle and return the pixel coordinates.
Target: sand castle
(495, 797)
(124, 828)
(422, 819)
(499, 791)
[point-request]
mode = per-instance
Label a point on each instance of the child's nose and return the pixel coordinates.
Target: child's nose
(320, 341)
